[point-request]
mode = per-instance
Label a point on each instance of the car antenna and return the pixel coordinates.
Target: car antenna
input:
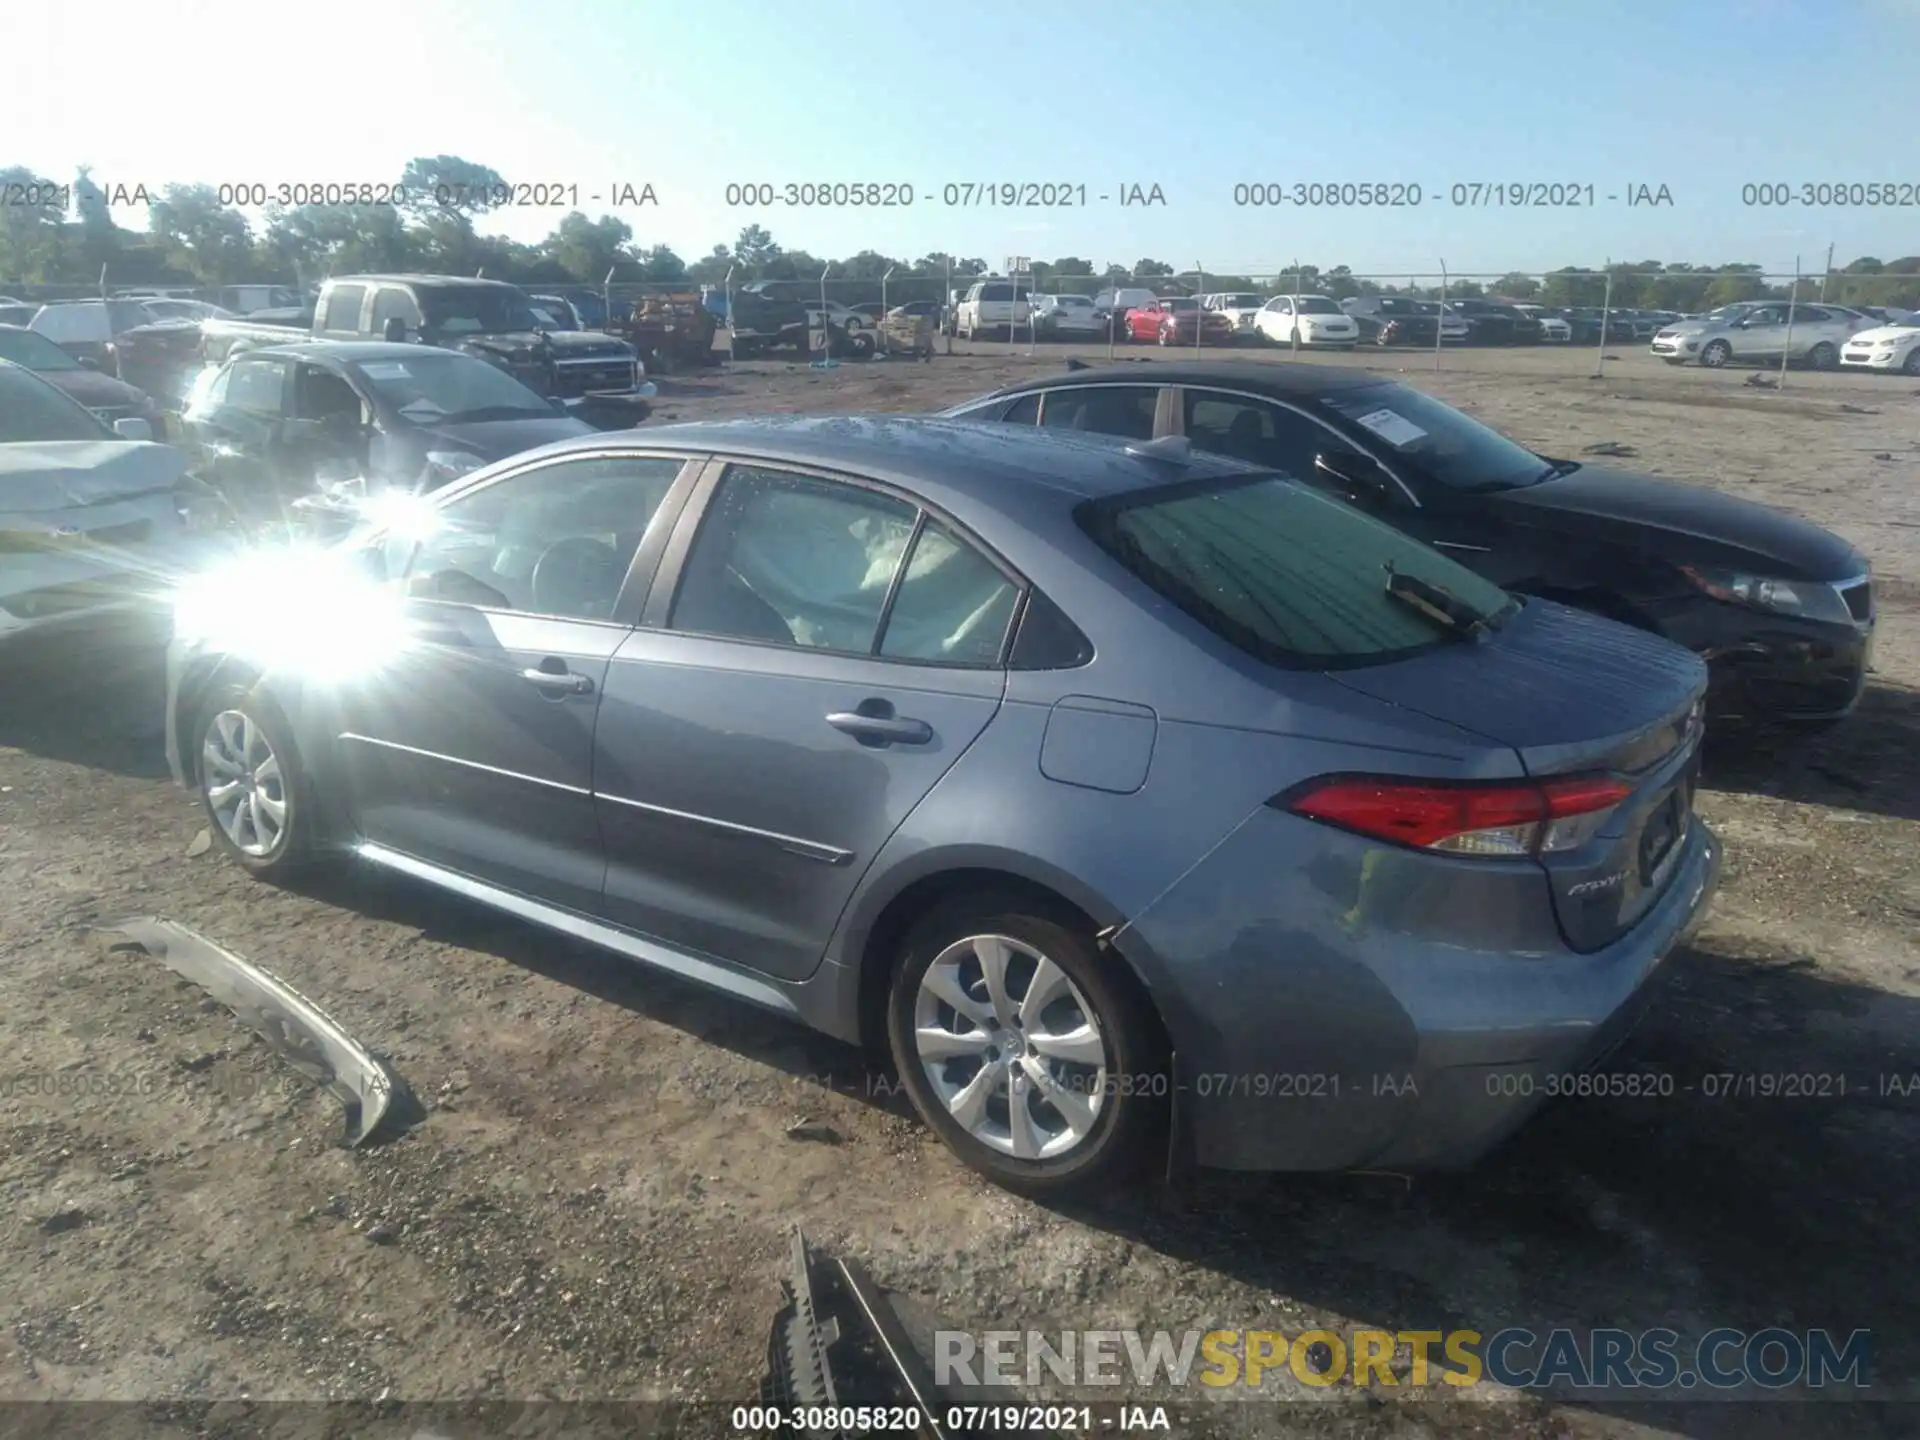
(1168, 449)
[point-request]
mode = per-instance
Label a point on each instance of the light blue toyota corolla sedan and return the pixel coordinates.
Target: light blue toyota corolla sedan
(1139, 802)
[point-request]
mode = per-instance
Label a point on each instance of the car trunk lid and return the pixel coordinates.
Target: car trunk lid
(1575, 694)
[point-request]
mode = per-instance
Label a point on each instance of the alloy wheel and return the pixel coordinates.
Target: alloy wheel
(245, 788)
(1717, 353)
(1011, 1047)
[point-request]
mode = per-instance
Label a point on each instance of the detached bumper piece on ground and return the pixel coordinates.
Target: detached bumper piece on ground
(303, 1034)
(838, 1343)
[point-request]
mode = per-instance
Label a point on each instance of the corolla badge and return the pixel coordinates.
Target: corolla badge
(1594, 887)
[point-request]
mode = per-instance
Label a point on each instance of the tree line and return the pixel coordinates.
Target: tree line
(193, 239)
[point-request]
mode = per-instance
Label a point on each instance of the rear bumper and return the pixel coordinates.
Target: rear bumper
(1345, 1042)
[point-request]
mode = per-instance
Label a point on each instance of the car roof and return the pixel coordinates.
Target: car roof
(346, 352)
(1006, 467)
(1283, 377)
(426, 281)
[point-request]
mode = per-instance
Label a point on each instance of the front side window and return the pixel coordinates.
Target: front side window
(257, 386)
(1255, 431)
(1287, 575)
(1123, 410)
(391, 303)
(790, 560)
(557, 540)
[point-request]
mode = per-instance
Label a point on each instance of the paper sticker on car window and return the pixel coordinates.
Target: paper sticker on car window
(1392, 427)
(385, 370)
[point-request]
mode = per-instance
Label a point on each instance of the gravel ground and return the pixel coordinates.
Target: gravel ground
(595, 1206)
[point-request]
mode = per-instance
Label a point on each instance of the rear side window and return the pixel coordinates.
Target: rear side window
(953, 605)
(1289, 576)
(1123, 410)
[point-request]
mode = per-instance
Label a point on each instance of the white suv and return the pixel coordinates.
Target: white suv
(993, 305)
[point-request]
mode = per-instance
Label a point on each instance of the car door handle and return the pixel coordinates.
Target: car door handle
(882, 729)
(559, 682)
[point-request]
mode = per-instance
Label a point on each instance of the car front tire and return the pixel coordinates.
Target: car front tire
(1024, 1050)
(1715, 354)
(1912, 364)
(255, 791)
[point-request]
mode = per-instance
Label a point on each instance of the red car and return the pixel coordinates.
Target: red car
(1171, 320)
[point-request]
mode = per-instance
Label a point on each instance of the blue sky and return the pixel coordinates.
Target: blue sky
(1698, 95)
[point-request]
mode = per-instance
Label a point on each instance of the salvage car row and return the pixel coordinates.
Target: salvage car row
(1112, 731)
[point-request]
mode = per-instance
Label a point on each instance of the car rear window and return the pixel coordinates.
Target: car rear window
(1290, 576)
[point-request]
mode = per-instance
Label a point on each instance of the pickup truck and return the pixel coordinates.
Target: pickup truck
(770, 313)
(490, 319)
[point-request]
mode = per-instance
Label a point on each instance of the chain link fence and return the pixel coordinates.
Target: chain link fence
(1440, 316)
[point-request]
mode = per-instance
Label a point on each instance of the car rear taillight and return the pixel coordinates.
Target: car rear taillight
(1504, 818)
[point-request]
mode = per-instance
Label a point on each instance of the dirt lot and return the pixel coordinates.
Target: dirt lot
(595, 1205)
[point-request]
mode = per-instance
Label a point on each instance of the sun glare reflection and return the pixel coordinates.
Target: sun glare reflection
(298, 609)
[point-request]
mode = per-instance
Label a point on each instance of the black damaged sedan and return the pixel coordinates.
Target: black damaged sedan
(1781, 609)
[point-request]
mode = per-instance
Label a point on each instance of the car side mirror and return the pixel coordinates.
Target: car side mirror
(1358, 476)
(456, 587)
(394, 331)
(132, 427)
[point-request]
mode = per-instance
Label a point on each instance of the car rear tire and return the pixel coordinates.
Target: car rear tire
(1024, 1050)
(257, 796)
(1716, 354)
(1823, 357)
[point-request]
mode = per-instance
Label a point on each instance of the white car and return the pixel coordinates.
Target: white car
(1316, 319)
(91, 516)
(1242, 308)
(1066, 316)
(993, 306)
(1553, 328)
(1886, 347)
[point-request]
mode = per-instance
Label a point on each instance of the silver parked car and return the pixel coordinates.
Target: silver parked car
(94, 519)
(1758, 331)
(1121, 791)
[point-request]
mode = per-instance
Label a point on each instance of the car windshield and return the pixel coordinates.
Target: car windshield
(1444, 444)
(434, 387)
(1242, 302)
(32, 411)
(1178, 303)
(1317, 305)
(1290, 576)
(34, 350)
(475, 310)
